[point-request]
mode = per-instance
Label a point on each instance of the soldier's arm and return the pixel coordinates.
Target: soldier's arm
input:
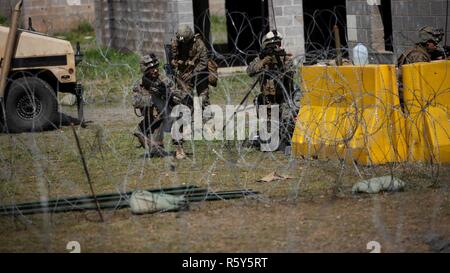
(176, 94)
(415, 56)
(257, 66)
(141, 98)
(174, 49)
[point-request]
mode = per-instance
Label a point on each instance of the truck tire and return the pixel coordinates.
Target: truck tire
(31, 105)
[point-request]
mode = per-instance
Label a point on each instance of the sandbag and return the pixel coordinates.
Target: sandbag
(147, 202)
(379, 184)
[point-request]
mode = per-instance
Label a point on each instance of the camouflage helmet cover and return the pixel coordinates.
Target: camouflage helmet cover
(271, 37)
(428, 33)
(184, 33)
(148, 61)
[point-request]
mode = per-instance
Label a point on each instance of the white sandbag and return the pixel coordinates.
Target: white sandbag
(148, 202)
(379, 184)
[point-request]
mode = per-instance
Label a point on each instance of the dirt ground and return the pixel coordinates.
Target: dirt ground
(313, 212)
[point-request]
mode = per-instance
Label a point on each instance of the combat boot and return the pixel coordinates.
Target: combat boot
(141, 139)
(156, 151)
(179, 153)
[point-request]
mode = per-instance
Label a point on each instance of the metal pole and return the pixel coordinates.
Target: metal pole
(86, 171)
(446, 24)
(337, 39)
(9, 48)
(75, 201)
(241, 103)
(124, 203)
(7, 58)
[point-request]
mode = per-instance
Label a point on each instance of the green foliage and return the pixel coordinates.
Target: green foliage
(85, 27)
(107, 74)
(219, 29)
(84, 34)
(3, 21)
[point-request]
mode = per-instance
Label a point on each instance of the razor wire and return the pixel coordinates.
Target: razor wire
(115, 162)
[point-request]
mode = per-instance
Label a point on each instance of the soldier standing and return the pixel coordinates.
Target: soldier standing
(190, 62)
(275, 71)
(154, 98)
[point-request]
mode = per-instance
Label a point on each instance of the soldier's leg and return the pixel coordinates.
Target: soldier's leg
(287, 125)
(144, 128)
(204, 95)
(156, 142)
(201, 86)
(141, 138)
(178, 144)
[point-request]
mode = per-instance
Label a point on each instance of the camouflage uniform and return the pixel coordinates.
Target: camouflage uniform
(416, 54)
(155, 100)
(190, 61)
(422, 52)
(276, 81)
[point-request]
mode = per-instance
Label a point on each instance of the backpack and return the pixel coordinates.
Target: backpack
(213, 75)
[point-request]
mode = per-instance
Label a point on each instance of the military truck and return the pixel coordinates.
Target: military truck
(34, 69)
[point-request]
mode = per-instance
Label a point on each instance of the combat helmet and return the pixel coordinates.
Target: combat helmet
(184, 33)
(428, 33)
(148, 61)
(270, 38)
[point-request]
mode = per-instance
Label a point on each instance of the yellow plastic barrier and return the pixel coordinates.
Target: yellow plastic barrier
(350, 112)
(427, 100)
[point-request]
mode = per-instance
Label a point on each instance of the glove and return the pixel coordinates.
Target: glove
(186, 77)
(137, 88)
(267, 60)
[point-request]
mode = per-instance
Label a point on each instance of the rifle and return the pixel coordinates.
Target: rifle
(170, 72)
(441, 53)
(282, 74)
(277, 52)
(272, 51)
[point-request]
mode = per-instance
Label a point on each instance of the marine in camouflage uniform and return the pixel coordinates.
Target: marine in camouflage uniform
(190, 62)
(426, 50)
(416, 54)
(275, 71)
(154, 99)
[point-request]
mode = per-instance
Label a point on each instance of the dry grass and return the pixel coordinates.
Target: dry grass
(302, 214)
(315, 211)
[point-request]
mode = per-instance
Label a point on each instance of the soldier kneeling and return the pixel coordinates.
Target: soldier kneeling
(154, 99)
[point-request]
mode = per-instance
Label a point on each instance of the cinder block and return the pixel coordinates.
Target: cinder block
(278, 3)
(292, 10)
(293, 31)
(284, 21)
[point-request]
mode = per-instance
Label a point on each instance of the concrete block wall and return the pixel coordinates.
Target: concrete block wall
(52, 16)
(289, 21)
(364, 25)
(180, 12)
(140, 25)
(410, 15)
(363, 22)
(6, 7)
